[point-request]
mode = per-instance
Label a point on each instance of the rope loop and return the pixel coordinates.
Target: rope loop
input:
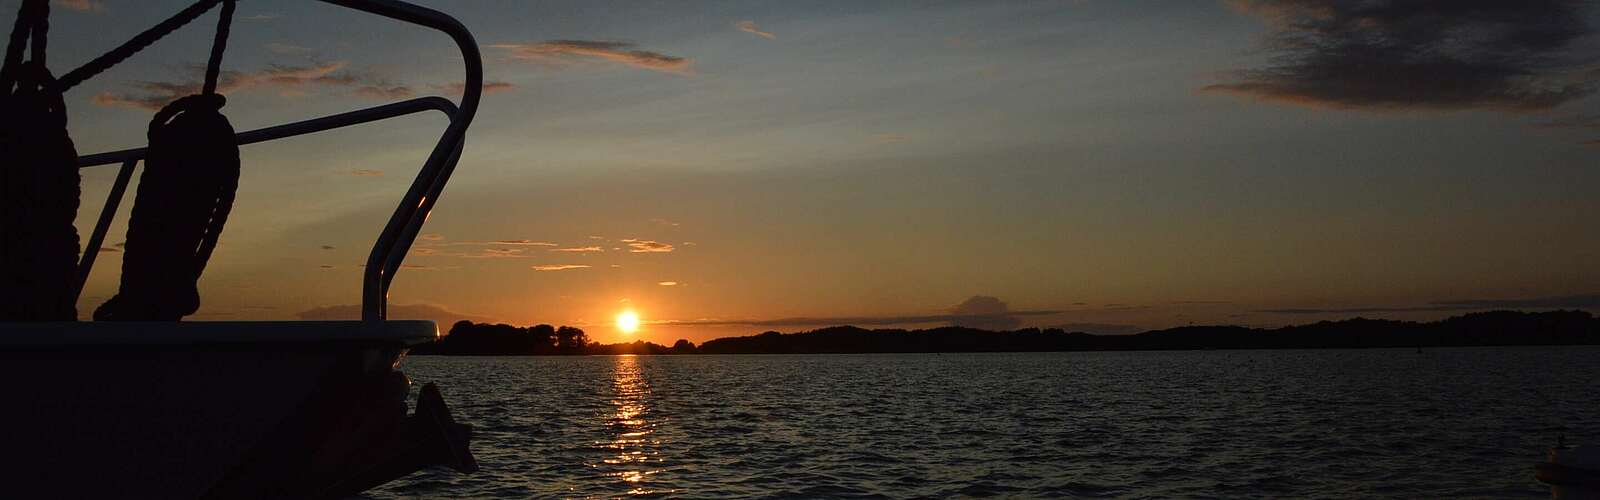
(186, 104)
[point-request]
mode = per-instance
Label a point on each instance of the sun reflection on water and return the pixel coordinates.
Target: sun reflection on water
(634, 451)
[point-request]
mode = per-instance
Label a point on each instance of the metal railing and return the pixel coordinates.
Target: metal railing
(389, 251)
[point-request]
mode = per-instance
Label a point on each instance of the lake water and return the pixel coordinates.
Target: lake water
(1467, 422)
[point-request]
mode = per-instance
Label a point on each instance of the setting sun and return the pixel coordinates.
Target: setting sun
(628, 321)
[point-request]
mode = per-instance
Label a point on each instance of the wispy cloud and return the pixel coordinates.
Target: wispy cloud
(1579, 122)
(647, 246)
(578, 250)
(366, 172)
(1582, 301)
(287, 49)
(509, 242)
(1585, 122)
(80, 5)
(288, 79)
(530, 243)
(498, 253)
(384, 91)
(750, 27)
(667, 283)
(558, 267)
(264, 16)
(327, 247)
(461, 87)
(564, 52)
(1444, 55)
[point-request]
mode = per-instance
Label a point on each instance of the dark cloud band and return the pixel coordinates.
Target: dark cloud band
(1419, 54)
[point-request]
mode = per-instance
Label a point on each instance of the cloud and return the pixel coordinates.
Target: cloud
(578, 250)
(1582, 301)
(110, 250)
(439, 314)
(1410, 55)
(264, 16)
(287, 49)
(327, 266)
(418, 267)
(1579, 122)
(564, 52)
(482, 253)
(366, 172)
(492, 249)
(497, 253)
(327, 247)
(431, 237)
(749, 26)
(558, 267)
(667, 283)
(461, 87)
(289, 80)
(983, 311)
(384, 91)
(647, 246)
(521, 243)
(80, 5)
(1586, 122)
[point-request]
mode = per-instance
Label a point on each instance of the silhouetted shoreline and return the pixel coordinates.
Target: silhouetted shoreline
(1495, 328)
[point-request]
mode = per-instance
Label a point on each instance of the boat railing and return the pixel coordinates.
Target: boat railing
(392, 245)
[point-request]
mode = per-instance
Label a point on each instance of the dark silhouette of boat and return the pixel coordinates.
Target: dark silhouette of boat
(127, 407)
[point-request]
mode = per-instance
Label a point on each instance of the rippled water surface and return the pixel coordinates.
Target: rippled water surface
(1348, 423)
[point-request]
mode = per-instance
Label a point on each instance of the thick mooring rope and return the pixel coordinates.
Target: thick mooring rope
(136, 44)
(185, 195)
(38, 182)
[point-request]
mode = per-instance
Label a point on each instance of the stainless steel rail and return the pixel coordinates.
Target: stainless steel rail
(389, 251)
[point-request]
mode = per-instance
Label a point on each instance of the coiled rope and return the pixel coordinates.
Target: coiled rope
(185, 195)
(38, 181)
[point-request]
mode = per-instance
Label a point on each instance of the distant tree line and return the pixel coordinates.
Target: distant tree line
(483, 339)
(1496, 328)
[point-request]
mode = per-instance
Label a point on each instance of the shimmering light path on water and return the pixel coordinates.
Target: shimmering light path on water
(1355, 423)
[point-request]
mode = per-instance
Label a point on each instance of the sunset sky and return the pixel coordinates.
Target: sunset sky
(725, 168)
